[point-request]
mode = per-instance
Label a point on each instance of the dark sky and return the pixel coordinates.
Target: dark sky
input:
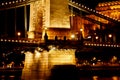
(12, 21)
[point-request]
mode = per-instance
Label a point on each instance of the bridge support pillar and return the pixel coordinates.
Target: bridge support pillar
(49, 14)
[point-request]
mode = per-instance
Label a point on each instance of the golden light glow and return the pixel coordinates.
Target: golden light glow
(81, 30)
(19, 33)
(38, 64)
(61, 57)
(31, 34)
(59, 15)
(115, 78)
(96, 37)
(110, 35)
(95, 77)
(73, 36)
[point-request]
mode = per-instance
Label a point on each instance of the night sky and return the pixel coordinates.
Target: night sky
(12, 21)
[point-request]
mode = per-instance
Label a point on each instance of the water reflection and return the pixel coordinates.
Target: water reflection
(38, 65)
(101, 78)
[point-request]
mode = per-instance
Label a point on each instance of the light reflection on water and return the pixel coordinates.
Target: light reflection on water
(100, 78)
(81, 78)
(34, 59)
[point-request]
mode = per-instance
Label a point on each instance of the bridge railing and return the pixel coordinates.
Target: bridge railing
(14, 4)
(21, 40)
(102, 44)
(88, 10)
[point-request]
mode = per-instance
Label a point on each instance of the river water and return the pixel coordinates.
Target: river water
(42, 66)
(12, 77)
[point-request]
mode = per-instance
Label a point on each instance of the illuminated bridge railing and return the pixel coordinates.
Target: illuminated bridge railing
(22, 40)
(14, 4)
(88, 10)
(101, 44)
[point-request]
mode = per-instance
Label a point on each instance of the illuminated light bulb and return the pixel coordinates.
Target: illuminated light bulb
(108, 3)
(2, 4)
(97, 12)
(107, 16)
(115, 19)
(95, 77)
(26, 41)
(16, 40)
(13, 2)
(9, 40)
(85, 43)
(102, 14)
(94, 44)
(117, 45)
(111, 45)
(5, 40)
(79, 4)
(9, 2)
(114, 45)
(12, 40)
(72, 36)
(6, 3)
(100, 44)
(73, 1)
(96, 37)
(88, 8)
(19, 40)
(82, 5)
(1, 39)
(20, 0)
(91, 9)
(81, 29)
(23, 40)
(16, 1)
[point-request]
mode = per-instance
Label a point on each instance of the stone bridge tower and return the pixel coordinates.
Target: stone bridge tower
(51, 16)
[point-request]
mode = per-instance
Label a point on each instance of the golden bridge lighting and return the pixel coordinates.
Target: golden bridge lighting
(73, 36)
(81, 30)
(96, 37)
(19, 34)
(110, 35)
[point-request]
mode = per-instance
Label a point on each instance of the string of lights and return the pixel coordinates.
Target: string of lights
(14, 4)
(87, 9)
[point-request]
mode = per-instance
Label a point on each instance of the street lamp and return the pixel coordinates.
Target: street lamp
(81, 36)
(73, 36)
(96, 37)
(110, 35)
(18, 34)
(81, 29)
